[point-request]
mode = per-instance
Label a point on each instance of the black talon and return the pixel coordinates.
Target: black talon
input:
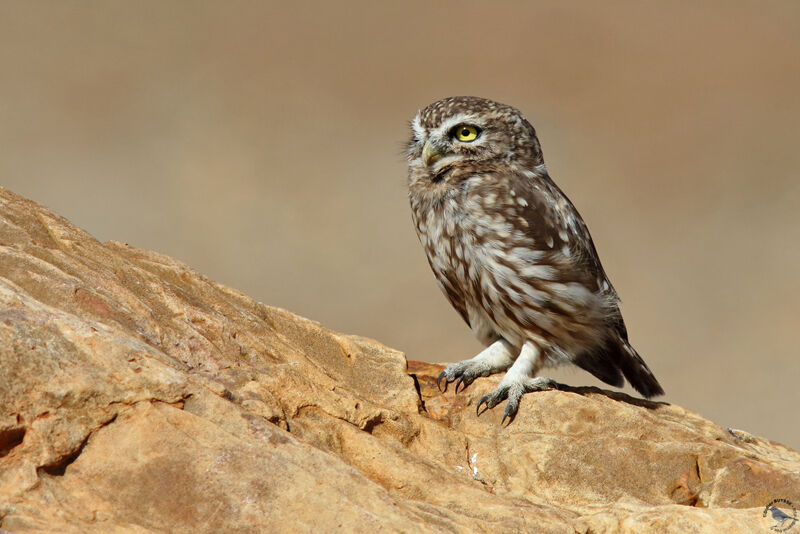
(460, 382)
(509, 413)
(484, 400)
(439, 382)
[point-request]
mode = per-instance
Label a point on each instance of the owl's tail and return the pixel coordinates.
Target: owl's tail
(636, 371)
(616, 359)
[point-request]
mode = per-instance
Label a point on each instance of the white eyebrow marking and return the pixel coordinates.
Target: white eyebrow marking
(419, 131)
(455, 120)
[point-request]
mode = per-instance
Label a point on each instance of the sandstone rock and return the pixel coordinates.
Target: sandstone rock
(138, 396)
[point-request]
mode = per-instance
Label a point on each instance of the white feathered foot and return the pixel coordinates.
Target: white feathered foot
(499, 356)
(520, 379)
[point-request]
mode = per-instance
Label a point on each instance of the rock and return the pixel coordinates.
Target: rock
(138, 396)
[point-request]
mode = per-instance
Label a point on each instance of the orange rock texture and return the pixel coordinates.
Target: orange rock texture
(138, 396)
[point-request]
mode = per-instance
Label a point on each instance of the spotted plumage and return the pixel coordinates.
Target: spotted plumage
(512, 254)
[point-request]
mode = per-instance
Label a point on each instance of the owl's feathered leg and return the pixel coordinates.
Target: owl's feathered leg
(495, 358)
(520, 379)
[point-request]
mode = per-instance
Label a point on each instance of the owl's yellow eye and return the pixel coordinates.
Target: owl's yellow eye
(466, 132)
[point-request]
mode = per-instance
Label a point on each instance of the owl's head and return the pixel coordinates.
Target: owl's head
(459, 136)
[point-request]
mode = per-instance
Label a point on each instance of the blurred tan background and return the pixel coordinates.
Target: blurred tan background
(262, 144)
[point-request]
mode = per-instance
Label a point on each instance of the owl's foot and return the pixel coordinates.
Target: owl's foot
(520, 379)
(495, 358)
(465, 372)
(513, 390)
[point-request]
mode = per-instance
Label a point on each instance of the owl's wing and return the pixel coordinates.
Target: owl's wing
(452, 289)
(558, 230)
(555, 236)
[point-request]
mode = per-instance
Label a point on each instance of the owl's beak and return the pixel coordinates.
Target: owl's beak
(430, 154)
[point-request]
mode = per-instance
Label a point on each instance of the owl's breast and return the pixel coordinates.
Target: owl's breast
(440, 229)
(502, 280)
(469, 236)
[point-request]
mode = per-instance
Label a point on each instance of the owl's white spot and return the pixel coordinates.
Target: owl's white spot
(495, 296)
(445, 249)
(473, 270)
(472, 206)
(538, 318)
(503, 228)
(513, 294)
(572, 221)
(512, 193)
(573, 291)
(451, 226)
(563, 235)
(542, 272)
(565, 250)
(526, 255)
(550, 241)
(522, 202)
(535, 296)
(486, 283)
(460, 272)
(605, 285)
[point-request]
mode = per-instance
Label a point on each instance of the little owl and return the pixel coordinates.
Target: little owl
(512, 254)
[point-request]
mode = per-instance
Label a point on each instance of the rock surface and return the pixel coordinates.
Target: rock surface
(138, 396)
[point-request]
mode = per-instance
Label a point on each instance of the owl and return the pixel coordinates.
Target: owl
(512, 255)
